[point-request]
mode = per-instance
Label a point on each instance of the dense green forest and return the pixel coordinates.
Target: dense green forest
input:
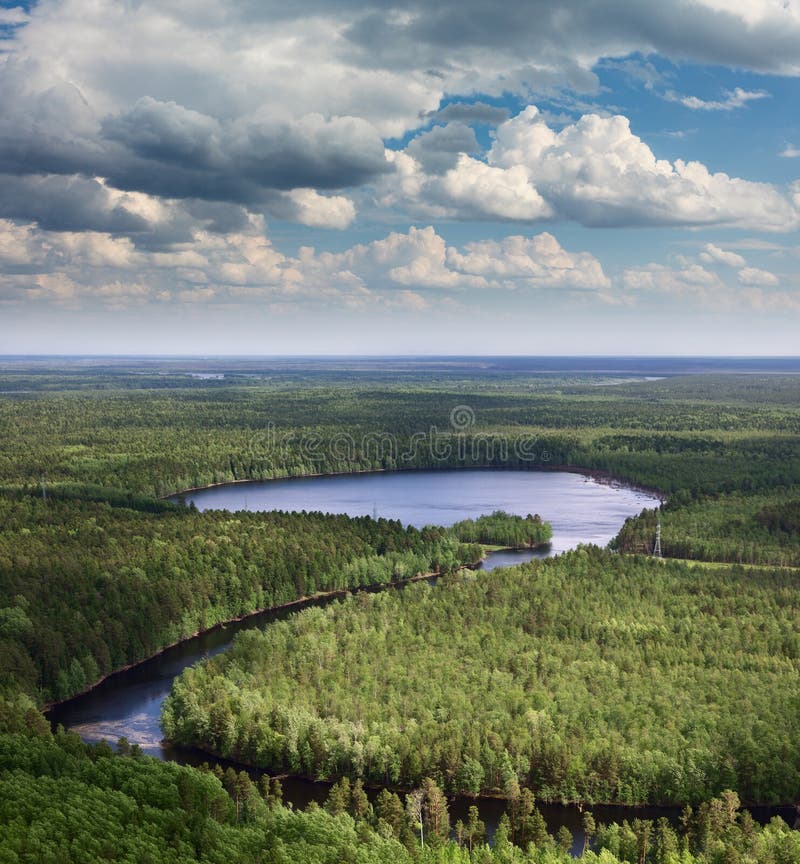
(65, 802)
(504, 529)
(583, 661)
(62, 801)
(588, 677)
(89, 588)
(744, 528)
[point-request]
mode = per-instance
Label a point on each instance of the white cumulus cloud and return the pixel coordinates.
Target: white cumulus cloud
(595, 171)
(754, 276)
(712, 254)
(736, 98)
(403, 268)
(538, 261)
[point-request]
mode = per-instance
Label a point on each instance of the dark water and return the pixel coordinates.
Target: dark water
(129, 702)
(581, 509)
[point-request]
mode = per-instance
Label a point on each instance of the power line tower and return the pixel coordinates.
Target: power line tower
(657, 547)
(44, 488)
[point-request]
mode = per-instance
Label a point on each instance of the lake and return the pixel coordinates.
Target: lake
(581, 509)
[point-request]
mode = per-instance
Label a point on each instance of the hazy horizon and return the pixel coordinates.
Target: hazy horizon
(391, 356)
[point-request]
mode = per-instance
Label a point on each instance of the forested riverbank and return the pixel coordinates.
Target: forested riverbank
(64, 801)
(95, 588)
(588, 677)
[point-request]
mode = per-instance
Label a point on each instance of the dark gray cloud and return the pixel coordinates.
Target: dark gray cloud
(548, 33)
(536, 31)
(60, 203)
(75, 204)
(314, 151)
(169, 133)
(173, 151)
(218, 217)
(49, 128)
(167, 150)
(469, 112)
(437, 150)
(52, 150)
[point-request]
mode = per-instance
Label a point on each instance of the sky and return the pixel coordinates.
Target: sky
(378, 177)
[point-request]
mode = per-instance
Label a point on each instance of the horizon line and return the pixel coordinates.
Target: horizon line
(414, 356)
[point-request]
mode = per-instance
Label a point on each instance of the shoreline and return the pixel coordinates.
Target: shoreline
(300, 601)
(599, 474)
(497, 796)
(490, 548)
(595, 474)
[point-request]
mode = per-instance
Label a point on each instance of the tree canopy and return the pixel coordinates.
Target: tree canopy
(587, 677)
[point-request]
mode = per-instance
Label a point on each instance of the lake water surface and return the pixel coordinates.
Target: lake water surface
(580, 508)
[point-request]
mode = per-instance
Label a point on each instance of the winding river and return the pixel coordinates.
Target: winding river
(581, 509)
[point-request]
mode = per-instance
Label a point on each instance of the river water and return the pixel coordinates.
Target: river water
(581, 510)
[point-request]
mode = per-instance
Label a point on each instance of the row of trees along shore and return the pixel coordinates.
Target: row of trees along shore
(68, 802)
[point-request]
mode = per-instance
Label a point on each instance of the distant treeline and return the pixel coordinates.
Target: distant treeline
(699, 435)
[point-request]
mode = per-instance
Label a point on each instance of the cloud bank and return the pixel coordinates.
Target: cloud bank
(242, 104)
(242, 267)
(144, 148)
